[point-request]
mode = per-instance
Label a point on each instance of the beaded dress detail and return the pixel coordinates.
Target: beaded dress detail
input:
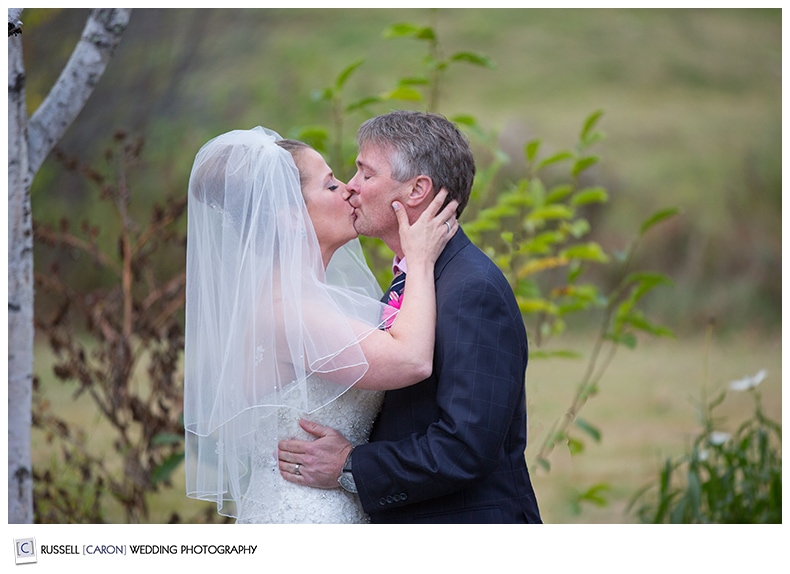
(272, 499)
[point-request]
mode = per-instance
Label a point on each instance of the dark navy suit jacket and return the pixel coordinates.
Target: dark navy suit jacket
(451, 448)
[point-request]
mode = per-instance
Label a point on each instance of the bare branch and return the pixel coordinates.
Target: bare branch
(90, 247)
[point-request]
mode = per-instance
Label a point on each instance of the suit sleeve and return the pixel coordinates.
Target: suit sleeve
(480, 365)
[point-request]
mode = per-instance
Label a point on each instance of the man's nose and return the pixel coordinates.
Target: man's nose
(351, 188)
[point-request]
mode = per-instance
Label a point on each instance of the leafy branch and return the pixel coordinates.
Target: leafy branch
(535, 229)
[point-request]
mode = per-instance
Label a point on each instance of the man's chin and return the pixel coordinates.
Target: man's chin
(362, 230)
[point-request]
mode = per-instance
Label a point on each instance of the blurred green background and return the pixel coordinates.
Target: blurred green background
(691, 101)
(692, 113)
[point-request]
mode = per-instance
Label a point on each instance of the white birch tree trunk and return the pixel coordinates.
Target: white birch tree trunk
(29, 143)
(20, 295)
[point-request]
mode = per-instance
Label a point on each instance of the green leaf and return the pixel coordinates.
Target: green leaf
(657, 217)
(577, 228)
(589, 124)
(592, 139)
(363, 103)
(580, 292)
(481, 224)
(537, 191)
(164, 470)
(538, 264)
(558, 193)
(643, 288)
(536, 306)
(647, 279)
(638, 321)
(583, 163)
(574, 271)
(531, 150)
(414, 81)
(575, 446)
(527, 288)
(403, 93)
(399, 30)
(717, 400)
(595, 495)
(589, 429)
(626, 339)
(543, 241)
(465, 119)
(556, 158)
(590, 195)
(503, 261)
(516, 198)
(434, 64)
(314, 136)
(342, 78)
(472, 58)
(555, 211)
(425, 33)
(694, 493)
(500, 211)
(588, 251)
(406, 30)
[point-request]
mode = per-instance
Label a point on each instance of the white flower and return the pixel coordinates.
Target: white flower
(717, 437)
(748, 382)
(703, 455)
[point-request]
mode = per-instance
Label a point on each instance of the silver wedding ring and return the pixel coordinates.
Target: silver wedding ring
(449, 229)
(296, 470)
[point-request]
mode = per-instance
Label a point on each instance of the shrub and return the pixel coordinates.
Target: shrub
(725, 478)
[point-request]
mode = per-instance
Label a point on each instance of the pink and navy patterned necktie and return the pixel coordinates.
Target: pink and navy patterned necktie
(393, 299)
(396, 287)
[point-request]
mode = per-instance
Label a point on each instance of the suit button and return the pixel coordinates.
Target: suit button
(382, 502)
(389, 499)
(403, 496)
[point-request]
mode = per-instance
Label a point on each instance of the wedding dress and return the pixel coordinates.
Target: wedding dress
(271, 499)
(270, 334)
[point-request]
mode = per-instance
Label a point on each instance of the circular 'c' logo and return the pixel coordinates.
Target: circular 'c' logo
(25, 548)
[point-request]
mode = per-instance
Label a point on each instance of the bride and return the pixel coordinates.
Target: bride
(284, 320)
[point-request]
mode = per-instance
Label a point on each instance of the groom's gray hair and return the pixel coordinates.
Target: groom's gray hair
(424, 144)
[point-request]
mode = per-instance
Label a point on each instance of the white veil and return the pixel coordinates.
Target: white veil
(267, 326)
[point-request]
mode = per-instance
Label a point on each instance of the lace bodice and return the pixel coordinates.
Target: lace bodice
(272, 499)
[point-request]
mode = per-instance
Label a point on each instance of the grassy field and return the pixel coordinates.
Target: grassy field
(645, 410)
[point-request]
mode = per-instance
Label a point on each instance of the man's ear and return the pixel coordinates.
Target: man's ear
(421, 193)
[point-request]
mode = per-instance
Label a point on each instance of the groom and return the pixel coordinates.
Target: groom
(451, 448)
